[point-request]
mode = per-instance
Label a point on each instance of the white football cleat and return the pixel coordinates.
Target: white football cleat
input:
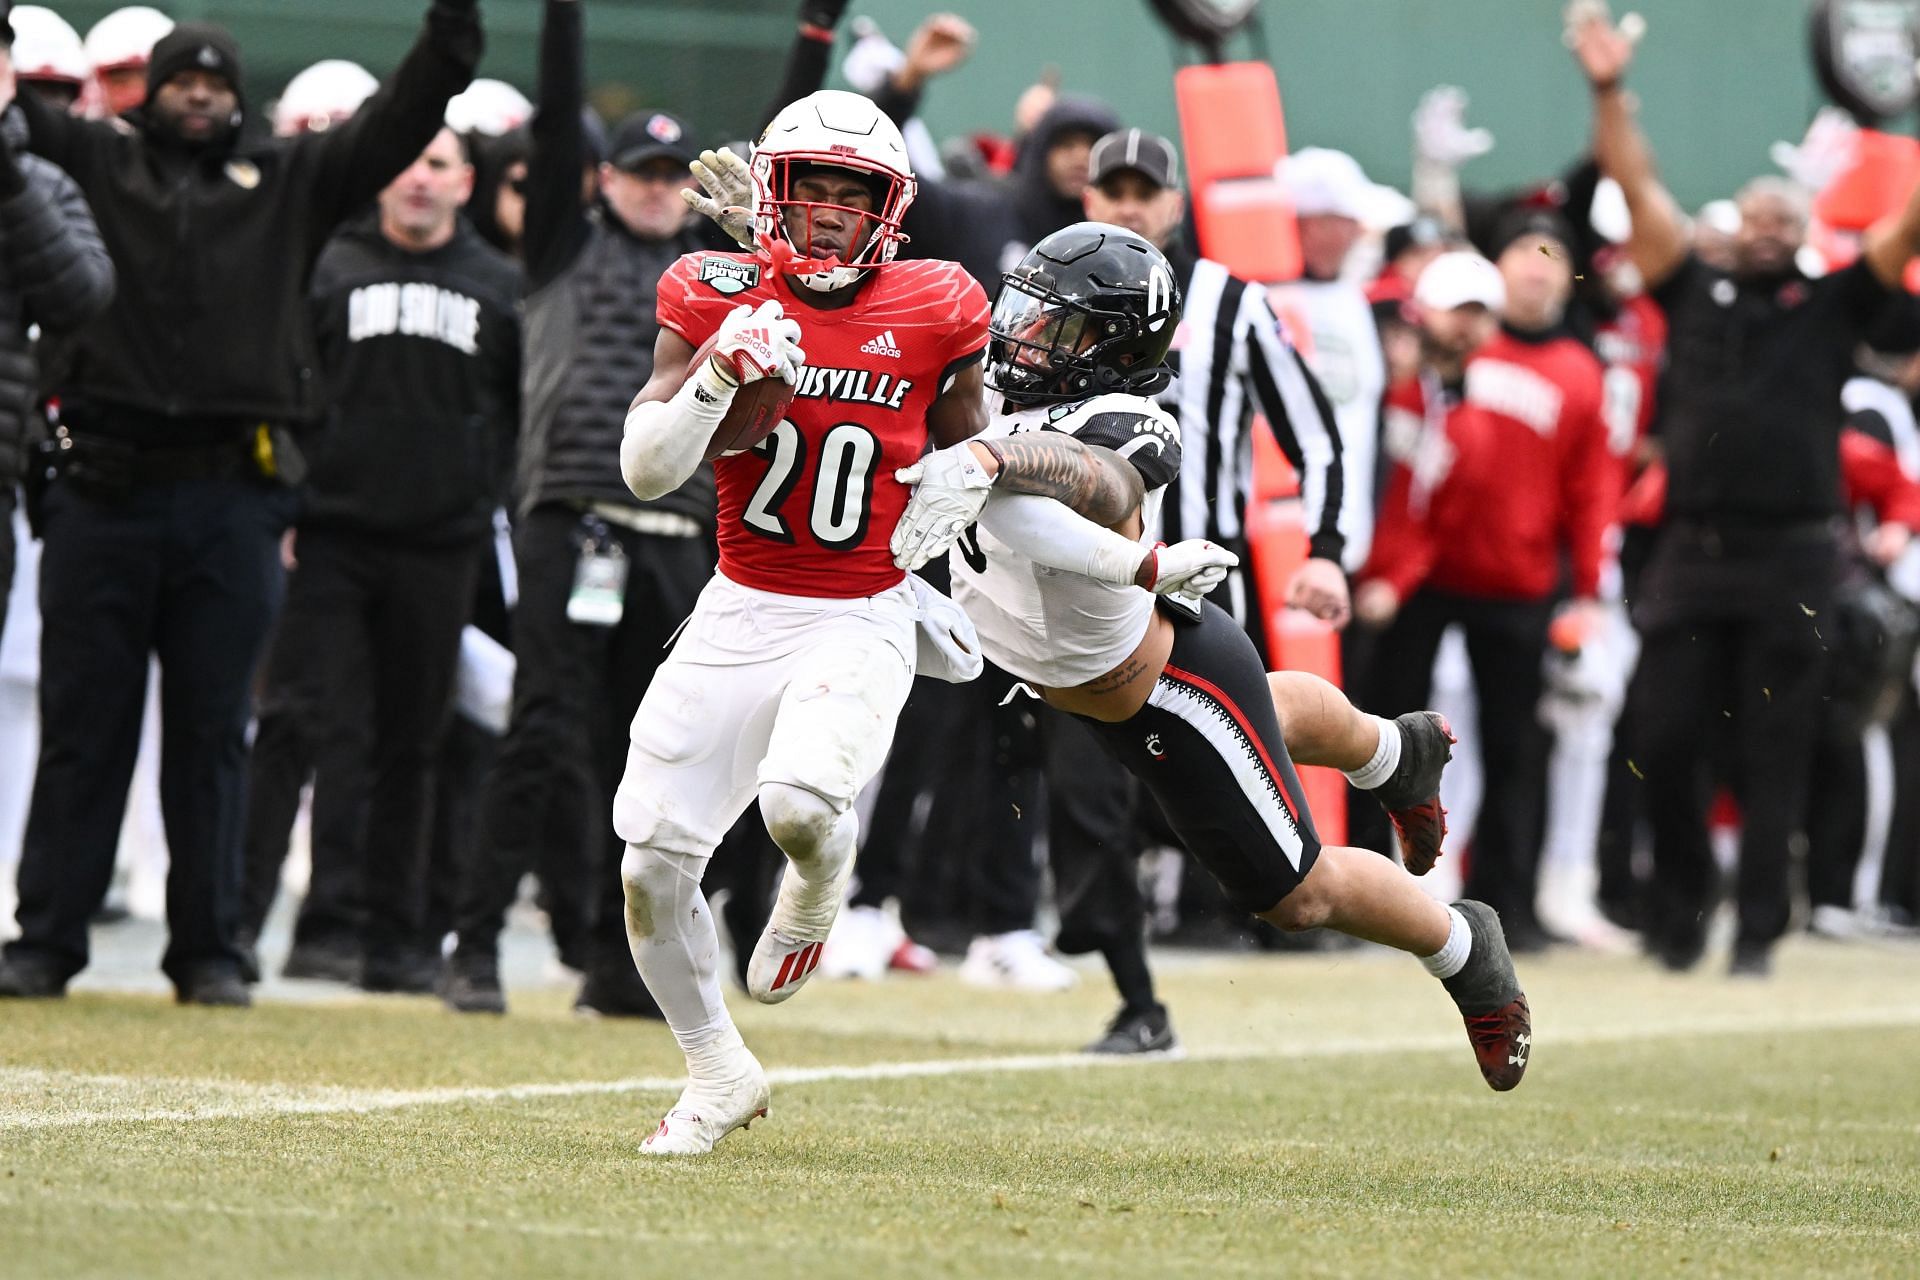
(790, 946)
(1016, 961)
(708, 1111)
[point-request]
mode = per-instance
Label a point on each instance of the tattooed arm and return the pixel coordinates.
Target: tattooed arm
(1097, 483)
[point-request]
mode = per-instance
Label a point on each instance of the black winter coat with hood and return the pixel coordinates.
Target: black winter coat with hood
(987, 227)
(214, 247)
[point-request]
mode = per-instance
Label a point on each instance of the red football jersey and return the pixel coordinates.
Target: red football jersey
(1632, 345)
(809, 510)
(1487, 491)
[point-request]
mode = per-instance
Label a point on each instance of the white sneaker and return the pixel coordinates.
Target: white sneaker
(1565, 904)
(708, 1111)
(790, 946)
(862, 944)
(1016, 961)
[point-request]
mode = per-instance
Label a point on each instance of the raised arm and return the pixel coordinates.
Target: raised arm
(806, 69)
(1658, 244)
(77, 146)
(358, 160)
(556, 225)
(1891, 243)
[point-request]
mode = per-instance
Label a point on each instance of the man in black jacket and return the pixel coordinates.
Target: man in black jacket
(1739, 583)
(604, 578)
(162, 531)
(54, 272)
(419, 333)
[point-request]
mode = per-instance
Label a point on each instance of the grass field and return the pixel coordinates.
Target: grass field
(1328, 1122)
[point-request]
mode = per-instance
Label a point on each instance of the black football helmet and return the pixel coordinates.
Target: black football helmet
(1090, 309)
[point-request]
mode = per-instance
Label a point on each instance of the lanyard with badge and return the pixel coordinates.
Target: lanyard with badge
(599, 594)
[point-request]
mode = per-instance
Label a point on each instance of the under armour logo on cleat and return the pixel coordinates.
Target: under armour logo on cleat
(1520, 1059)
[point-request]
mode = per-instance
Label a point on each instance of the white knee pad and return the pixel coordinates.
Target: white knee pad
(799, 821)
(639, 819)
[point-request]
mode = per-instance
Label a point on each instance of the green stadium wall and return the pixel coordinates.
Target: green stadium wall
(1719, 79)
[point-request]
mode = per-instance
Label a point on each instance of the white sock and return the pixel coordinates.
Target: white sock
(1452, 957)
(677, 949)
(1385, 759)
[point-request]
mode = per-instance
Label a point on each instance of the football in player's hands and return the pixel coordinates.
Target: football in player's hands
(755, 410)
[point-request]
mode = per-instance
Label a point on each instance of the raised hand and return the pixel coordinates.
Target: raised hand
(728, 198)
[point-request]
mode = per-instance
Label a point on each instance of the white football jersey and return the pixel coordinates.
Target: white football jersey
(1050, 626)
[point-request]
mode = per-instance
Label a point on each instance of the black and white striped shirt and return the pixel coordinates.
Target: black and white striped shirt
(1231, 358)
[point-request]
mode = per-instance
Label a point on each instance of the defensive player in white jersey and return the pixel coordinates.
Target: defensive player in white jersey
(1047, 509)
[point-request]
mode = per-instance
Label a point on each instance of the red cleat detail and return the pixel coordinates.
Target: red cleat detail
(1502, 1042)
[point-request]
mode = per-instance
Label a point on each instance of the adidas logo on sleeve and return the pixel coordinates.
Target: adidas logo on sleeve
(883, 345)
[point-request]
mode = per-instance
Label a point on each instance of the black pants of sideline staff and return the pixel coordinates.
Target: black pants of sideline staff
(1732, 671)
(188, 570)
(1506, 643)
(360, 687)
(575, 690)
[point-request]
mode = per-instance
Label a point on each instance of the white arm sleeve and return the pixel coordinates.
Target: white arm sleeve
(665, 440)
(1049, 533)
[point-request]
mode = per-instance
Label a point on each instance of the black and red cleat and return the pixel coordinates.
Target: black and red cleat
(1411, 796)
(1487, 991)
(1502, 1041)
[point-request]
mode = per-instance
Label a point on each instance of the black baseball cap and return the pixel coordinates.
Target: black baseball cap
(649, 135)
(1147, 154)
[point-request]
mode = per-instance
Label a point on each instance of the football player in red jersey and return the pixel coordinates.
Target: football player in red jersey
(786, 682)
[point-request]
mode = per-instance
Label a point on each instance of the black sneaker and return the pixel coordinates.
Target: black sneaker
(472, 984)
(1677, 952)
(323, 962)
(1499, 1024)
(605, 996)
(1411, 796)
(1751, 960)
(1138, 1031)
(219, 988)
(25, 980)
(406, 973)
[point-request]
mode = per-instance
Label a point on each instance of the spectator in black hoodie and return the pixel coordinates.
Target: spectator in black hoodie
(419, 334)
(162, 531)
(987, 227)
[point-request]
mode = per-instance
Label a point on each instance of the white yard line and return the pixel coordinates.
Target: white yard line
(35, 1098)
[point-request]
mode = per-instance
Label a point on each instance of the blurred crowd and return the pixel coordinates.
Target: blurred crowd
(312, 412)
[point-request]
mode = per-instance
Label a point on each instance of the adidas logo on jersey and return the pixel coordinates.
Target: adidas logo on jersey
(882, 345)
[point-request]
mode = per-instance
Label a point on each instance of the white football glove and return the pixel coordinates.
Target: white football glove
(1440, 132)
(1190, 568)
(729, 193)
(949, 488)
(758, 342)
(947, 646)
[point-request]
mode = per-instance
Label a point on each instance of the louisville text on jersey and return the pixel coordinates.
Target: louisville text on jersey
(861, 386)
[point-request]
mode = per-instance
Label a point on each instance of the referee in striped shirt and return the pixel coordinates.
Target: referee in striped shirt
(1232, 358)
